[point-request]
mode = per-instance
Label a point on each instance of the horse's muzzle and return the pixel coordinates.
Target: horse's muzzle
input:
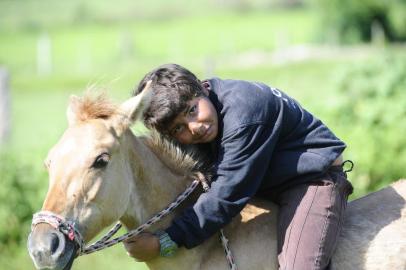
(50, 249)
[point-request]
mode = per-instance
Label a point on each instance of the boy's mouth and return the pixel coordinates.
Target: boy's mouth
(205, 134)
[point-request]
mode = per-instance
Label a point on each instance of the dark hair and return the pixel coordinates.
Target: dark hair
(173, 86)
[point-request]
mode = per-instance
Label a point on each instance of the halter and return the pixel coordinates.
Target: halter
(69, 229)
(59, 223)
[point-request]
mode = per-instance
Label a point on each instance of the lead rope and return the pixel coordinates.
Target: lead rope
(104, 242)
(223, 239)
(69, 229)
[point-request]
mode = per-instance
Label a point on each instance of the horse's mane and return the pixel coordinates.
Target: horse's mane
(182, 160)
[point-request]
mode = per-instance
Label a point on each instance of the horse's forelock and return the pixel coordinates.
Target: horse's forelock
(94, 106)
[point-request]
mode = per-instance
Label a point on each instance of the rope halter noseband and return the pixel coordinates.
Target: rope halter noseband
(59, 223)
(72, 233)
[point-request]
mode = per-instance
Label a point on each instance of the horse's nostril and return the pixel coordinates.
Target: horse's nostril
(49, 248)
(54, 243)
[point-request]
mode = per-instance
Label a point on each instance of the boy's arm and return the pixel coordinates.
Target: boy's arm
(243, 161)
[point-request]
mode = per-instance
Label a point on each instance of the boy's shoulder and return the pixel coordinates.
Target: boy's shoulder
(240, 102)
(241, 92)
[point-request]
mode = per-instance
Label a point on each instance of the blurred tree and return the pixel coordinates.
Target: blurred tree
(19, 196)
(350, 21)
(373, 109)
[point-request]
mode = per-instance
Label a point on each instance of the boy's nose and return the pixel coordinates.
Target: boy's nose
(195, 128)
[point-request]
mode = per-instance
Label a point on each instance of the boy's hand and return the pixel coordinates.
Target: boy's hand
(143, 247)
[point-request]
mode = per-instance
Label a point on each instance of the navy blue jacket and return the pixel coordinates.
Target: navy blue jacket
(266, 140)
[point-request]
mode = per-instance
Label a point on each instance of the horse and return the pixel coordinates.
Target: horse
(100, 172)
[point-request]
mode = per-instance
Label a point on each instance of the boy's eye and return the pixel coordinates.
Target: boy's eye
(177, 129)
(193, 109)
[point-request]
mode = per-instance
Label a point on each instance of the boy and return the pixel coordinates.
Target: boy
(263, 144)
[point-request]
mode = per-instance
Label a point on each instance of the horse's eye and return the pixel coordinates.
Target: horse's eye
(101, 161)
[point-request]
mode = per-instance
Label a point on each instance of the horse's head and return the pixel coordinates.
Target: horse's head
(89, 177)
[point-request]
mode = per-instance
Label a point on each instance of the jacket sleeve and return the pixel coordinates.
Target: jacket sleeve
(243, 160)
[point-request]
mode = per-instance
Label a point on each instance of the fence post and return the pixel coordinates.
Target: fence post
(44, 55)
(4, 105)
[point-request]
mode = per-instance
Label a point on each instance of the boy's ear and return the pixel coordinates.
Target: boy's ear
(132, 109)
(205, 92)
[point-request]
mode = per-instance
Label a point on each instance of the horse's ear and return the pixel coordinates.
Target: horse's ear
(71, 112)
(132, 109)
(135, 106)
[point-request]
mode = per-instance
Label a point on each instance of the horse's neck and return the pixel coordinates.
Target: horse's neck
(155, 184)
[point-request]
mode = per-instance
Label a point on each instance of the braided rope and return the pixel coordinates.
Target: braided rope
(223, 239)
(99, 245)
(59, 222)
(227, 251)
(108, 235)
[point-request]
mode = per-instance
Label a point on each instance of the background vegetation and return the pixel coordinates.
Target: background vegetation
(351, 21)
(53, 49)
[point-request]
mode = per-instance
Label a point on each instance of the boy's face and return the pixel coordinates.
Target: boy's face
(198, 123)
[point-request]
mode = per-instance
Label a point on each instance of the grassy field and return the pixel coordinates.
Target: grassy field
(114, 53)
